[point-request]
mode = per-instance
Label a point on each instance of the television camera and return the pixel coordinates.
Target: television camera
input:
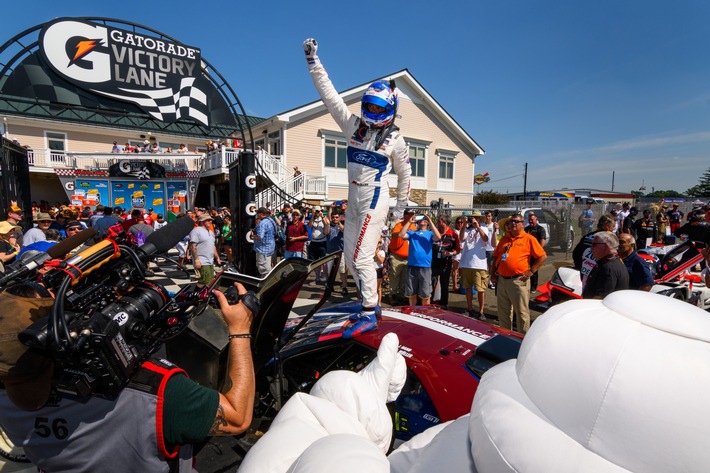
(107, 318)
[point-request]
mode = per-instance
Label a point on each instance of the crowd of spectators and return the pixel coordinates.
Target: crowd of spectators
(154, 147)
(54, 223)
(607, 257)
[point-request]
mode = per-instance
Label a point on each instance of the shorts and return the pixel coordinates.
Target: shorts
(476, 278)
(263, 264)
(317, 249)
(380, 273)
(206, 274)
(181, 248)
(418, 282)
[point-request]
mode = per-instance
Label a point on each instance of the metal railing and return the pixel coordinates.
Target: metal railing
(292, 188)
(102, 161)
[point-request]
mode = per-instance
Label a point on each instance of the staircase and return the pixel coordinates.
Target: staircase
(283, 186)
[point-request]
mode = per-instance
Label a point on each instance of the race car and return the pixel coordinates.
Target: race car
(297, 338)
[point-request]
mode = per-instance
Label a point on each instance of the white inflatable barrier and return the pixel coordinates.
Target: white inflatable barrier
(619, 385)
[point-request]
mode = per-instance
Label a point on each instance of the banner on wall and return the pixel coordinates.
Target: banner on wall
(139, 195)
(136, 169)
(88, 192)
(177, 199)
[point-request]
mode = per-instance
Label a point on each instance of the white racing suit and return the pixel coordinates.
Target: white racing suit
(368, 193)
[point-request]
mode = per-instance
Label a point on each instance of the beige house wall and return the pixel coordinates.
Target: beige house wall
(80, 139)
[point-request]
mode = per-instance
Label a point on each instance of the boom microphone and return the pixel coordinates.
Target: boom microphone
(162, 240)
(55, 251)
(65, 246)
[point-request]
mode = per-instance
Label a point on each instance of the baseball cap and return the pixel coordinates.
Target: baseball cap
(27, 375)
(14, 209)
(317, 208)
(204, 217)
(73, 223)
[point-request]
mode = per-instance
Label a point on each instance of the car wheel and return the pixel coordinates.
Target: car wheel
(569, 244)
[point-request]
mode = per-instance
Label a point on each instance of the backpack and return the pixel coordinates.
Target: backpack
(279, 235)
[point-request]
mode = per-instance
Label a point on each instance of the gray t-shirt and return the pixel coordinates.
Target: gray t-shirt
(33, 235)
(318, 230)
(205, 244)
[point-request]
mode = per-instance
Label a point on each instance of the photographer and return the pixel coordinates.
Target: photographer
(149, 426)
(474, 264)
(421, 246)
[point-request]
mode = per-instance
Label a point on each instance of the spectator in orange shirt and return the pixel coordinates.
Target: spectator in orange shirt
(399, 254)
(511, 272)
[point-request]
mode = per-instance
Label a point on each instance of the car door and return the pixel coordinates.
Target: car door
(556, 233)
(543, 221)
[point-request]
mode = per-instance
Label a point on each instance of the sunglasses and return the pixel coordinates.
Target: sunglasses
(515, 222)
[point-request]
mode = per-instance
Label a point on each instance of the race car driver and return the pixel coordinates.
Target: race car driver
(375, 146)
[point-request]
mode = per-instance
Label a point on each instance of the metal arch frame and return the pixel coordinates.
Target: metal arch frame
(224, 89)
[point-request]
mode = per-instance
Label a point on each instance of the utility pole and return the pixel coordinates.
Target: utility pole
(612, 180)
(525, 183)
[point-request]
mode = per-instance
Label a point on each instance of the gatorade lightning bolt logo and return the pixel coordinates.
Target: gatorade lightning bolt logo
(83, 48)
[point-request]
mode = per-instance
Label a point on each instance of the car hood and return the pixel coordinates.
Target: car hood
(678, 260)
(278, 293)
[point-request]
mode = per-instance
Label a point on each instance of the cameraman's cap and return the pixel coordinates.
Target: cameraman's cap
(27, 375)
(204, 217)
(72, 224)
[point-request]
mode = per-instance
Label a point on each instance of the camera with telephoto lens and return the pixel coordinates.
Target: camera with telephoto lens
(107, 318)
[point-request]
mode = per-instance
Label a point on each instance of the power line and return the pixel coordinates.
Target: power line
(506, 178)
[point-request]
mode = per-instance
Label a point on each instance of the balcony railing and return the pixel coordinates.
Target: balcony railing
(102, 161)
(215, 162)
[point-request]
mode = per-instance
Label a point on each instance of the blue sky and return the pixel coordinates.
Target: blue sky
(577, 89)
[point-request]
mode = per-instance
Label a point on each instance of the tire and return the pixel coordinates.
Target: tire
(569, 244)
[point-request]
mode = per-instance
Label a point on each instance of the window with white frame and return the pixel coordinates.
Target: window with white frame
(417, 156)
(335, 153)
(446, 166)
(56, 142)
(275, 143)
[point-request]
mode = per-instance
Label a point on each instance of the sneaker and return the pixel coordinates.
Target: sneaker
(366, 322)
(149, 272)
(482, 317)
(472, 314)
(378, 311)
(491, 285)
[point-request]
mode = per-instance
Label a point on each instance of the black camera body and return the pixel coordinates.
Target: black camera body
(107, 318)
(114, 335)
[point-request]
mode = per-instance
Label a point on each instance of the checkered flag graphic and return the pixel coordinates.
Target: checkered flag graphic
(144, 173)
(166, 104)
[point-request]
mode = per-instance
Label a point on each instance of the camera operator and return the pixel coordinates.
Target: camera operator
(149, 426)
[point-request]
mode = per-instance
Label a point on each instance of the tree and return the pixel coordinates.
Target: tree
(664, 194)
(703, 188)
(490, 198)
